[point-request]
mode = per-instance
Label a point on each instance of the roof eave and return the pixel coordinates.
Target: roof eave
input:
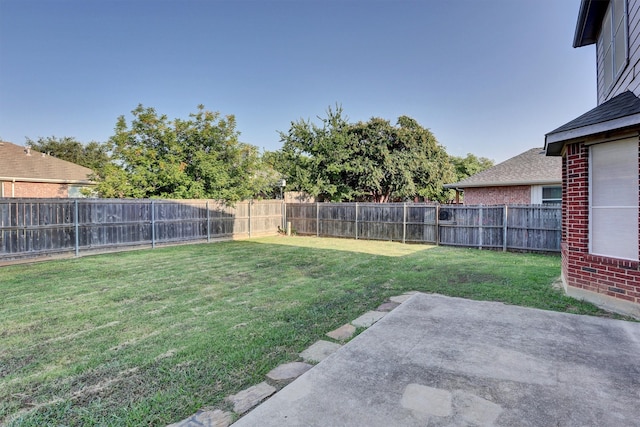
(589, 22)
(46, 180)
(503, 184)
(554, 142)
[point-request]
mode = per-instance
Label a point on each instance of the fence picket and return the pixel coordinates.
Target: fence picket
(30, 228)
(39, 227)
(533, 228)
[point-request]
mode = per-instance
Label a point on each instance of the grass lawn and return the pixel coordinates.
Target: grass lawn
(149, 337)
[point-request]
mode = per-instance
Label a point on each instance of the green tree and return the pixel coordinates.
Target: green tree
(399, 162)
(470, 165)
(371, 160)
(315, 158)
(200, 157)
(93, 155)
(267, 178)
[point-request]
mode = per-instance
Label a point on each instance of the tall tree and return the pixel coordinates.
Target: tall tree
(399, 162)
(315, 158)
(371, 160)
(92, 155)
(470, 165)
(200, 157)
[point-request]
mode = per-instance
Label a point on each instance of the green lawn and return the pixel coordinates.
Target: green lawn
(149, 337)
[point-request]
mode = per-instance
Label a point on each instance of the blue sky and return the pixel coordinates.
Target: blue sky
(488, 77)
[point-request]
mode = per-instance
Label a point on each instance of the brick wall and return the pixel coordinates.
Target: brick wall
(514, 195)
(35, 189)
(616, 278)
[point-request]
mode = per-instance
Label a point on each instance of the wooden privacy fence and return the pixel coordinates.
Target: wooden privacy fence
(517, 227)
(39, 227)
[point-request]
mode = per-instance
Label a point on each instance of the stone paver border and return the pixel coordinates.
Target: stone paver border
(319, 351)
(247, 399)
(343, 333)
(368, 319)
(288, 371)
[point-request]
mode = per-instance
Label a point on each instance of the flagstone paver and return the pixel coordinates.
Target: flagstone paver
(387, 306)
(288, 371)
(427, 400)
(402, 298)
(247, 399)
(215, 418)
(344, 332)
(319, 351)
(368, 319)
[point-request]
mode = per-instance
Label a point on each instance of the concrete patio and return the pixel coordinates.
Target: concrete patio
(442, 361)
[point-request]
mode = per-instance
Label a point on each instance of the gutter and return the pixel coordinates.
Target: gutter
(458, 186)
(47, 180)
(553, 142)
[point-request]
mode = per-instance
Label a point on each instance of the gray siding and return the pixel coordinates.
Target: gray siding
(630, 78)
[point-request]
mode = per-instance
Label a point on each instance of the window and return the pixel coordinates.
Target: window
(613, 204)
(75, 191)
(613, 42)
(546, 194)
(551, 195)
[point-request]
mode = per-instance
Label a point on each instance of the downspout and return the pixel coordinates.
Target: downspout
(13, 187)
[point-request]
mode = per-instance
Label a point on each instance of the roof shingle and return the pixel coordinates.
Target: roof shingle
(16, 163)
(621, 105)
(532, 167)
(620, 113)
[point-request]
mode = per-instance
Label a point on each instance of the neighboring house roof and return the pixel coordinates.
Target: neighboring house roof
(22, 164)
(589, 22)
(621, 111)
(532, 167)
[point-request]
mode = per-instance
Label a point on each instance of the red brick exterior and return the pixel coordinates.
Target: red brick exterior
(34, 189)
(513, 195)
(616, 278)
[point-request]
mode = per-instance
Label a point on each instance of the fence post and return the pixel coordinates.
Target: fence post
(153, 225)
(480, 228)
(505, 228)
(317, 219)
(356, 220)
(437, 222)
(208, 223)
(77, 227)
(404, 222)
(283, 212)
(250, 205)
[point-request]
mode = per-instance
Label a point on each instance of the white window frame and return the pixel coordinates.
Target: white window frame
(615, 211)
(612, 33)
(555, 201)
(537, 195)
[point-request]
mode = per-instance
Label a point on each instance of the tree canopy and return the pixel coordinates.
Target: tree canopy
(371, 160)
(470, 165)
(200, 157)
(92, 155)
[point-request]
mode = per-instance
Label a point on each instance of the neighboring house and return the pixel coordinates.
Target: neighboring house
(600, 168)
(28, 173)
(526, 179)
